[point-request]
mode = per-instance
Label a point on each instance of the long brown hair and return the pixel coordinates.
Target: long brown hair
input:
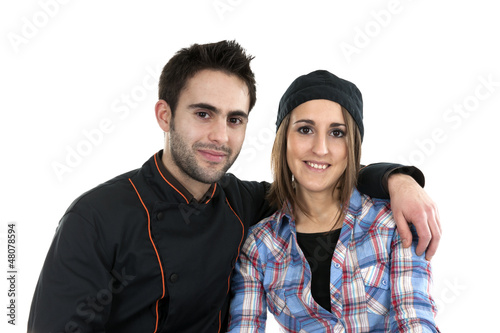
(282, 188)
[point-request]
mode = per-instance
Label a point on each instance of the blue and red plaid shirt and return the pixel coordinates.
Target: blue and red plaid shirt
(376, 285)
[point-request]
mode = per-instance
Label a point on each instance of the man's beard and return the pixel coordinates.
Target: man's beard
(184, 157)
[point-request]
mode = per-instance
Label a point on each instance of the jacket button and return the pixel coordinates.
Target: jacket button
(173, 278)
(159, 216)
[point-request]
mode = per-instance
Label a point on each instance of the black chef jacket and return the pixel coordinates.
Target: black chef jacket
(135, 254)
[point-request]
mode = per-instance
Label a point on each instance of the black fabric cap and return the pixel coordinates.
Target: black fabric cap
(322, 84)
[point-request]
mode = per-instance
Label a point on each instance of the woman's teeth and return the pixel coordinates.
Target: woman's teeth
(317, 166)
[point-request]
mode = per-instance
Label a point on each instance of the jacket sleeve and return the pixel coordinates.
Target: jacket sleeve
(412, 307)
(263, 208)
(74, 290)
(248, 309)
(254, 198)
(372, 179)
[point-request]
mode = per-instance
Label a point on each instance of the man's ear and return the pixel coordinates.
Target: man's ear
(163, 115)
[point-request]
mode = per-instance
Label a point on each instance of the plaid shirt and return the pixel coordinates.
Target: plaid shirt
(376, 285)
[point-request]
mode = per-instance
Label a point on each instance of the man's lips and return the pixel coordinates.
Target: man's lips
(212, 155)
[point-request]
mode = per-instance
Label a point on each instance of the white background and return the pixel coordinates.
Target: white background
(71, 67)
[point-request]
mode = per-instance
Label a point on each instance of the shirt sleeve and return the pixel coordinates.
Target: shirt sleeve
(412, 307)
(74, 291)
(373, 178)
(248, 309)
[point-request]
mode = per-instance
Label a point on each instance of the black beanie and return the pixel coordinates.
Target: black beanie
(322, 84)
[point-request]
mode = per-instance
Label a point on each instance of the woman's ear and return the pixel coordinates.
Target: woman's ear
(163, 115)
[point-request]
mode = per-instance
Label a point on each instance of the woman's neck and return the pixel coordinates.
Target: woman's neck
(322, 212)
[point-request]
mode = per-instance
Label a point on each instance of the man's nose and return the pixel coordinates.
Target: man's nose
(218, 132)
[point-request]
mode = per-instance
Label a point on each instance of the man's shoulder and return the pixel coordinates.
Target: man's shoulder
(107, 194)
(247, 191)
(230, 181)
(248, 198)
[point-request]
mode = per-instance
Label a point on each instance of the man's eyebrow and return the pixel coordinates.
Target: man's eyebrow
(204, 106)
(238, 113)
(215, 110)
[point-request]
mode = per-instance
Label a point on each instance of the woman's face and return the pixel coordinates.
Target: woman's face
(316, 145)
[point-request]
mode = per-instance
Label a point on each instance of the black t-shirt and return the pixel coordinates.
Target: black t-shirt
(318, 249)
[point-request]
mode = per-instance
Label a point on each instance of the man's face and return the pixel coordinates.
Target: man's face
(207, 131)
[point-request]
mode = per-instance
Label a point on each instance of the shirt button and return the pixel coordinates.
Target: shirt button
(384, 282)
(336, 295)
(159, 216)
(173, 278)
(337, 265)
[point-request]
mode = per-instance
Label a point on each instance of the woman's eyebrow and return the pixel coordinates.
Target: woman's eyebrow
(309, 121)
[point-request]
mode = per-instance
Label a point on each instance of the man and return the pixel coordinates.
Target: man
(153, 250)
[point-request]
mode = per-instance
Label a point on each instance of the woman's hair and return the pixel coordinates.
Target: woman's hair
(282, 188)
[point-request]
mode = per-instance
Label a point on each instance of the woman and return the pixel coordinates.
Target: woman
(330, 260)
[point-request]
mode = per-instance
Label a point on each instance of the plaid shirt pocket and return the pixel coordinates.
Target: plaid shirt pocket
(276, 301)
(377, 284)
(284, 311)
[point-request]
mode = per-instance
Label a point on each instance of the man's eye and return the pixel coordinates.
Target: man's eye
(236, 121)
(202, 114)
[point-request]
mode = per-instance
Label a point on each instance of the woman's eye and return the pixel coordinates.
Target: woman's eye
(338, 133)
(304, 130)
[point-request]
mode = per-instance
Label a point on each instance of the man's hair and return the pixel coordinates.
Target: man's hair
(226, 56)
(282, 188)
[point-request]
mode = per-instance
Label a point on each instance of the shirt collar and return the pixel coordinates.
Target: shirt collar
(285, 217)
(286, 213)
(174, 183)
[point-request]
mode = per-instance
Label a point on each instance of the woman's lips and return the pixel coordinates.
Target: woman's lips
(317, 165)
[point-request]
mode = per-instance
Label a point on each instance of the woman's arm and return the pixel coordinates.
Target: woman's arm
(248, 309)
(412, 307)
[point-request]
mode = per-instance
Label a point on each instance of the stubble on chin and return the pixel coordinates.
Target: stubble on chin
(185, 159)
